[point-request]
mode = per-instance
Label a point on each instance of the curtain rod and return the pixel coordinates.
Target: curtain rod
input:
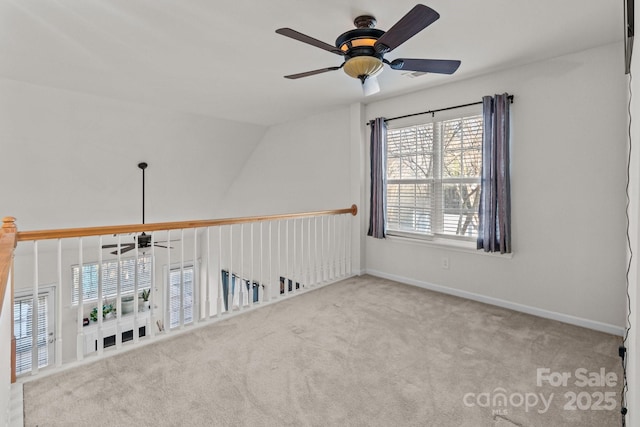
(432, 112)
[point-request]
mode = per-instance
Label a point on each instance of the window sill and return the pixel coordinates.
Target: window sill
(455, 245)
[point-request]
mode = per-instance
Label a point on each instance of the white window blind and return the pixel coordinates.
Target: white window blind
(176, 277)
(110, 272)
(433, 177)
(23, 331)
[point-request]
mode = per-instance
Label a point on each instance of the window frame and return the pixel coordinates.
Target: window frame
(128, 291)
(437, 236)
(47, 341)
(181, 268)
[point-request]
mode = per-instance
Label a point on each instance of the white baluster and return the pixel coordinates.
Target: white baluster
(230, 289)
(269, 289)
(334, 248)
(309, 263)
(349, 237)
(251, 271)
(261, 282)
(150, 331)
(301, 267)
(279, 271)
(58, 310)
(100, 334)
(136, 329)
(195, 285)
(286, 255)
(344, 245)
(80, 313)
(181, 313)
(324, 257)
(118, 296)
(219, 273)
(167, 279)
(294, 277)
(207, 279)
(241, 285)
(315, 249)
(34, 312)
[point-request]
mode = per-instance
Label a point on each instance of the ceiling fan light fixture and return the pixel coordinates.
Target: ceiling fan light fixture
(358, 42)
(360, 66)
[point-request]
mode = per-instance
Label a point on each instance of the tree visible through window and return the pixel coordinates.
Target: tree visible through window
(433, 177)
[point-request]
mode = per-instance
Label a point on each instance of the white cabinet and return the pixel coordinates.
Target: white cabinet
(110, 329)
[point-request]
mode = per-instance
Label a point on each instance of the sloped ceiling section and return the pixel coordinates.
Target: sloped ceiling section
(223, 59)
(73, 159)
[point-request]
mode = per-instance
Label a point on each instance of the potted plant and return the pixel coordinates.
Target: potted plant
(108, 310)
(144, 304)
(127, 304)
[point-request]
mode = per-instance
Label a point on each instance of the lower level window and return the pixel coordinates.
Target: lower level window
(181, 298)
(23, 310)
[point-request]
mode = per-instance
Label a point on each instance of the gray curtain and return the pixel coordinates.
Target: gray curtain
(494, 229)
(378, 177)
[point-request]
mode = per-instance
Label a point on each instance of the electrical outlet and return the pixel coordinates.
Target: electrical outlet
(445, 263)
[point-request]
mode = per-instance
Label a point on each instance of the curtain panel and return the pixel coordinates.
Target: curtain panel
(494, 230)
(378, 178)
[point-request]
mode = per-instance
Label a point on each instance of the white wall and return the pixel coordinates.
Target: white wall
(568, 199)
(72, 159)
(298, 166)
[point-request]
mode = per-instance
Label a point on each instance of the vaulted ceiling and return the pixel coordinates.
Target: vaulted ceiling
(224, 59)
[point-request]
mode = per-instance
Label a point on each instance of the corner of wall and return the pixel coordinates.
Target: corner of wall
(357, 162)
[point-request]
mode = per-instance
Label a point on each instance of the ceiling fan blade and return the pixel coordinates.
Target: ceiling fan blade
(288, 32)
(416, 20)
(311, 73)
(124, 248)
(162, 246)
(370, 86)
(115, 245)
(440, 66)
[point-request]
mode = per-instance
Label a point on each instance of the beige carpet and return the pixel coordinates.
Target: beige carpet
(361, 352)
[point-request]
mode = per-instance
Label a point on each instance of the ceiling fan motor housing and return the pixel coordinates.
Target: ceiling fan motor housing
(361, 58)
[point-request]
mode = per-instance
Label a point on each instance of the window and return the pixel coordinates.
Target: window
(433, 178)
(110, 274)
(23, 331)
(181, 283)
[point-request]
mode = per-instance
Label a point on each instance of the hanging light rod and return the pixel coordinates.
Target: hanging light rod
(143, 166)
(433, 112)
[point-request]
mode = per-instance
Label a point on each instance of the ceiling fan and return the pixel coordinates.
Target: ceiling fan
(143, 240)
(364, 48)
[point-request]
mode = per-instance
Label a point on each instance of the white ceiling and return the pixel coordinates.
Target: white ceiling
(224, 59)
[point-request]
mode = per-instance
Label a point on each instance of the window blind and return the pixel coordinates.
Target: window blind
(127, 273)
(433, 177)
(176, 277)
(23, 331)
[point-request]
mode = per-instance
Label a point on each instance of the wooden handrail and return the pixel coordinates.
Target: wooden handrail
(159, 226)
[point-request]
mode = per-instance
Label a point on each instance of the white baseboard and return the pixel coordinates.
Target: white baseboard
(535, 311)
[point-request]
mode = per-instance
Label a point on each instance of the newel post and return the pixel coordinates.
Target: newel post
(8, 237)
(9, 225)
